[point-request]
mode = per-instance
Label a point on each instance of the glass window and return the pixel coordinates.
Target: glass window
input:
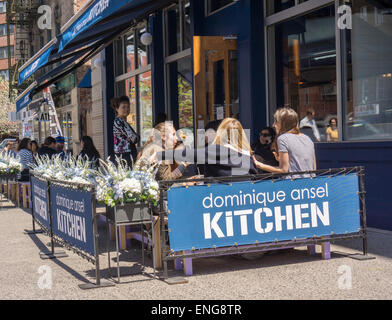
(368, 111)
(128, 88)
(180, 91)
(4, 52)
(130, 91)
(305, 65)
(145, 105)
(215, 5)
(3, 29)
(3, 6)
(130, 52)
(4, 74)
(143, 50)
(187, 39)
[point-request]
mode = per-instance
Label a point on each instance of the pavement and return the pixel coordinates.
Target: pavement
(279, 275)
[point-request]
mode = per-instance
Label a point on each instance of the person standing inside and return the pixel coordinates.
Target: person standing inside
(309, 121)
(60, 141)
(332, 131)
(49, 148)
(34, 147)
(89, 151)
(125, 137)
(263, 147)
(25, 158)
(296, 150)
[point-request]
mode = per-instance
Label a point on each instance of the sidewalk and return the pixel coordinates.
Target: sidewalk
(290, 275)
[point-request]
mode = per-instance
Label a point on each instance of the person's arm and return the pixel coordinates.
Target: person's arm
(315, 163)
(165, 173)
(283, 164)
(316, 131)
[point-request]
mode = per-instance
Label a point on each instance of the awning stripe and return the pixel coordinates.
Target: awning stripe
(24, 99)
(34, 66)
(96, 12)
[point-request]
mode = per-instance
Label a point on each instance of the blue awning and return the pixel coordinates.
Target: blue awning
(96, 12)
(36, 62)
(86, 82)
(24, 99)
(89, 29)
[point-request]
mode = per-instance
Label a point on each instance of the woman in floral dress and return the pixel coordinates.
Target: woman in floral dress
(125, 138)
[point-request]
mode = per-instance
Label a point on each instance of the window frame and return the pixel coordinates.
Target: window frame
(206, 7)
(133, 73)
(168, 59)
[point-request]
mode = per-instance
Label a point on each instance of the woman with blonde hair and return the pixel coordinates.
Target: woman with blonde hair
(230, 134)
(228, 155)
(163, 138)
(296, 150)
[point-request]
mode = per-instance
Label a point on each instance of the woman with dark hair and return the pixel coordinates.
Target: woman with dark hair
(332, 131)
(263, 147)
(125, 138)
(26, 158)
(34, 147)
(89, 151)
(296, 150)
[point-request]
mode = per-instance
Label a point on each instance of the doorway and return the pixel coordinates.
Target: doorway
(215, 79)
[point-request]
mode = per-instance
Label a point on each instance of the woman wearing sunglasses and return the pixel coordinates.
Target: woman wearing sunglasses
(262, 148)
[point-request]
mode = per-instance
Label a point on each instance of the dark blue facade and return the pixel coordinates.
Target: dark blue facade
(376, 157)
(244, 19)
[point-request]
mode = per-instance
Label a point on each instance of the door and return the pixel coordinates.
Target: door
(215, 79)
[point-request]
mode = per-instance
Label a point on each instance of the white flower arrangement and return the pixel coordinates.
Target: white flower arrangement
(115, 184)
(118, 185)
(9, 164)
(76, 170)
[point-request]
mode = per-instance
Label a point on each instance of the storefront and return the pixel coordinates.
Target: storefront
(200, 60)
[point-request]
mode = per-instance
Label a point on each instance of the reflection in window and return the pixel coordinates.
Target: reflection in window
(306, 67)
(369, 72)
(180, 95)
(143, 54)
(130, 52)
(145, 102)
(130, 85)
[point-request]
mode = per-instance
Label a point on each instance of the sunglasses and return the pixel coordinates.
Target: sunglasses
(265, 135)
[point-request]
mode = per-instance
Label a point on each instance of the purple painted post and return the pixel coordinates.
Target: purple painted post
(326, 251)
(312, 250)
(188, 267)
(178, 265)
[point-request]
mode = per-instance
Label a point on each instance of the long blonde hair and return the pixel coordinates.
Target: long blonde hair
(156, 136)
(232, 133)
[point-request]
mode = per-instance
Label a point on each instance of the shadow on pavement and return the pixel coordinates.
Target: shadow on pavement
(41, 246)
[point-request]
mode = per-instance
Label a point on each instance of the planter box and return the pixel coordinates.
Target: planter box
(132, 212)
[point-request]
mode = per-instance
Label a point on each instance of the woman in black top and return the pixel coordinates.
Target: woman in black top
(89, 151)
(262, 148)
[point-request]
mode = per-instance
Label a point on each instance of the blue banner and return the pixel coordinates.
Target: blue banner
(245, 213)
(40, 202)
(23, 102)
(34, 65)
(98, 11)
(72, 217)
